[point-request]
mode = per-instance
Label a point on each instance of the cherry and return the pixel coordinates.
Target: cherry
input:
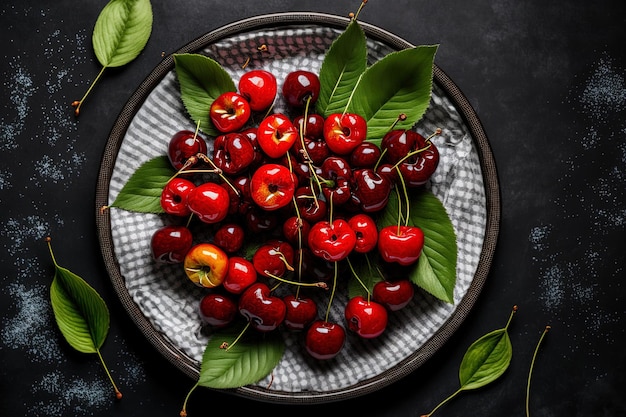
(233, 153)
(276, 134)
(272, 186)
(296, 231)
(401, 244)
(183, 145)
(344, 132)
(301, 311)
(310, 208)
(217, 310)
(370, 189)
(174, 196)
(332, 241)
(366, 232)
(229, 112)
(301, 86)
(263, 311)
(394, 295)
(206, 265)
(416, 156)
(169, 244)
(240, 275)
(230, 237)
(365, 155)
(259, 87)
(337, 174)
(273, 258)
(366, 318)
(324, 340)
(210, 202)
(312, 127)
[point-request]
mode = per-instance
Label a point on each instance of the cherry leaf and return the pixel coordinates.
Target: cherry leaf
(142, 191)
(246, 361)
(122, 31)
(486, 359)
(201, 80)
(343, 64)
(399, 83)
(435, 271)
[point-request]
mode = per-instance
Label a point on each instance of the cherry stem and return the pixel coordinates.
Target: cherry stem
(355, 15)
(451, 396)
(359, 279)
(401, 118)
(513, 311)
(532, 365)
(239, 336)
(218, 171)
(406, 199)
(332, 293)
(79, 103)
(299, 284)
(118, 394)
(183, 412)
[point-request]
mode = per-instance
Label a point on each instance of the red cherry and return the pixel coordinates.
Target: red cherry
(273, 258)
(230, 237)
(417, 169)
(400, 244)
(183, 145)
(365, 155)
(296, 231)
(210, 202)
(370, 189)
(229, 112)
(312, 127)
(264, 311)
(324, 340)
(366, 318)
(276, 134)
(344, 132)
(170, 244)
(175, 195)
(233, 153)
(259, 87)
(336, 185)
(394, 295)
(301, 86)
(217, 310)
(332, 241)
(366, 232)
(301, 311)
(310, 208)
(272, 186)
(241, 274)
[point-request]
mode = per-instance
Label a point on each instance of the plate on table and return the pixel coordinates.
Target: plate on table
(163, 302)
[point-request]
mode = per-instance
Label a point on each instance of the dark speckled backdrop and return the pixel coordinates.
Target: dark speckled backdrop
(548, 81)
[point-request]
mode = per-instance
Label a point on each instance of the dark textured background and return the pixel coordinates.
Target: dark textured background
(548, 81)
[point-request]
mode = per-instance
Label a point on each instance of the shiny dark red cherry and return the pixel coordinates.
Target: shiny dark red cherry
(299, 87)
(217, 310)
(394, 295)
(233, 153)
(301, 311)
(174, 196)
(365, 155)
(183, 145)
(366, 318)
(169, 244)
(230, 237)
(264, 311)
(324, 340)
(370, 189)
(259, 87)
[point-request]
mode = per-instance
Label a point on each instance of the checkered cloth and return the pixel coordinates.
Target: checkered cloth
(170, 301)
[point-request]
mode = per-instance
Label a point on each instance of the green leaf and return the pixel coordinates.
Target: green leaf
(344, 63)
(401, 82)
(435, 271)
(245, 362)
(122, 31)
(142, 191)
(201, 81)
(80, 312)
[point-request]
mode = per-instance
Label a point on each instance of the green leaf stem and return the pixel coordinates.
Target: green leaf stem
(399, 83)
(142, 191)
(201, 80)
(344, 63)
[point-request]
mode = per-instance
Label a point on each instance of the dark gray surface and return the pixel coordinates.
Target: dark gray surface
(548, 81)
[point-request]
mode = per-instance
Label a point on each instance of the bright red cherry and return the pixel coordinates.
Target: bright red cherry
(210, 202)
(217, 310)
(400, 244)
(241, 274)
(301, 86)
(169, 244)
(366, 318)
(272, 186)
(332, 241)
(276, 134)
(422, 160)
(273, 258)
(301, 311)
(174, 196)
(259, 87)
(394, 295)
(366, 232)
(370, 189)
(344, 132)
(183, 145)
(263, 311)
(233, 153)
(230, 237)
(324, 340)
(229, 112)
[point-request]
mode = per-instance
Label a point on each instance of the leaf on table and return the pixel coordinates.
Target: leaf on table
(142, 191)
(201, 80)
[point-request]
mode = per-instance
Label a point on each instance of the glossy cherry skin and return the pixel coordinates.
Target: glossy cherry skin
(206, 265)
(272, 186)
(332, 241)
(365, 155)
(394, 295)
(402, 245)
(276, 134)
(169, 244)
(183, 145)
(175, 195)
(233, 153)
(301, 312)
(230, 237)
(311, 127)
(210, 202)
(311, 209)
(344, 132)
(259, 87)
(416, 169)
(299, 87)
(324, 340)
(371, 189)
(296, 231)
(240, 275)
(264, 311)
(366, 318)
(337, 175)
(229, 112)
(366, 232)
(217, 310)
(273, 258)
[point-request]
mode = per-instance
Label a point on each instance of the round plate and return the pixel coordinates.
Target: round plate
(163, 304)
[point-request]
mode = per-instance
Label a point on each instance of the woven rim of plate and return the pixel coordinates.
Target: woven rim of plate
(411, 363)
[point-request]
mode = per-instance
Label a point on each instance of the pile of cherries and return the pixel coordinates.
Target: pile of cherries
(311, 188)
